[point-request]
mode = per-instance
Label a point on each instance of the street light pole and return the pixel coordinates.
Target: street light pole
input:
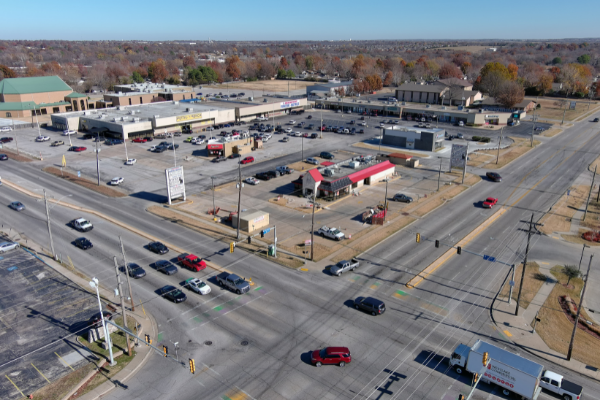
(385, 199)
(122, 303)
(312, 229)
(94, 284)
(97, 159)
(439, 173)
(239, 199)
(581, 259)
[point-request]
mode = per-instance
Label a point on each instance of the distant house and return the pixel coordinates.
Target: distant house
(446, 92)
(491, 104)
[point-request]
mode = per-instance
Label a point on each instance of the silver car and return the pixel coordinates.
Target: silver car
(17, 206)
(6, 246)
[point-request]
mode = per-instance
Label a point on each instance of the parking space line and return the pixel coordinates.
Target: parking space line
(507, 333)
(40, 372)
(14, 385)
(64, 362)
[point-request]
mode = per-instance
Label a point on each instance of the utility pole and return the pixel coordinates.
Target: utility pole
(122, 305)
(385, 199)
(239, 198)
(127, 274)
(589, 194)
(524, 264)
(97, 159)
(511, 286)
(533, 127)
(579, 310)
(564, 112)
(499, 142)
(16, 136)
(49, 228)
(174, 153)
(312, 229)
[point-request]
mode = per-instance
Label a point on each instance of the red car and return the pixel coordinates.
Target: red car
(331, 355)
(140, 140)
(490, 202)
(191, 261)
(247, 160)
(77, 149)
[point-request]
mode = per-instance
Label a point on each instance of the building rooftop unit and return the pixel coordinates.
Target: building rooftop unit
(128, 114)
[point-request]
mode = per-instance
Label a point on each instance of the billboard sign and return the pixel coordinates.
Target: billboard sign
(189, 117)
(175, 183)
(289, 104)
(458, 156)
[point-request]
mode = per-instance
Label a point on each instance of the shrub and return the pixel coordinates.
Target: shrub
(476, 138)
(485, 139)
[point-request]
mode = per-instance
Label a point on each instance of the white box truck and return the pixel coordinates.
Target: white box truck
(514, 374)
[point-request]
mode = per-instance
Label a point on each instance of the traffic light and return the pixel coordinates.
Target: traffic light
(461, 397)
(458, 250)
(262, 234)
(166, 350)
(475, 376)
(437, 244)
(148, 340)
(418, 238)
(249, 239)
(192, 366)
(485, 358)
(231, 247)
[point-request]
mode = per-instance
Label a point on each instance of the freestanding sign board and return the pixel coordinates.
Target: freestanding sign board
(457, 156)
(175, 183)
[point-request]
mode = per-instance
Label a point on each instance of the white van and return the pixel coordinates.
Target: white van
(460, 123)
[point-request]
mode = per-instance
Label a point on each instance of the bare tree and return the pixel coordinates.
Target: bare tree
(509, 94)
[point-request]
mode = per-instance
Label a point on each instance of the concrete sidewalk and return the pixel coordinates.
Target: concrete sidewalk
(518, 329)
(147, 322)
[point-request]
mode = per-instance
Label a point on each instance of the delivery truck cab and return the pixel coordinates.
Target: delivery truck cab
(514, 374)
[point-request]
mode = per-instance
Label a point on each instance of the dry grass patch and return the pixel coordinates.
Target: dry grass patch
(559, 219)
(551, 132)
(14, 156)
(578, 239)
(298, 166)
(437, 200)
(532, 283)
(511, 153)
(102, 189)
(61, 387)
(556, 329)
(376, 235)
(479, 159)
(551, 110)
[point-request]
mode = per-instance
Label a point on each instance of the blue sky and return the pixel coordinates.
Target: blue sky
(298, 20)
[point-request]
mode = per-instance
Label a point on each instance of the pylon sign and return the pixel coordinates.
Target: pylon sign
(64, 161)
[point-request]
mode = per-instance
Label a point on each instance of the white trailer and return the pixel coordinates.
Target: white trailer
(513, 373)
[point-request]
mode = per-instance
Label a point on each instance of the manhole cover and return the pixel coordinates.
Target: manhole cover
(208, 343)
(244, 343)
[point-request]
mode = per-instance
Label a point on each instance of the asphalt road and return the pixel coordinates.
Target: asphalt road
(400, 355)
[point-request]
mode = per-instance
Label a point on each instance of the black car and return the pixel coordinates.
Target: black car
(173, 294)
(149, 138)
(158, 248)
(263, 176)
(96, 320)
(171, 146)
(135, 271)
(493, 176)
(402, 198)
(361, 131)
(160, 149)
(83, 243)
(596, 119)
(326, 155)
(235, 155)
(203, 137)
(166, 267)
(309, 117)
(370, 305)
(3, 157)
(273, 174)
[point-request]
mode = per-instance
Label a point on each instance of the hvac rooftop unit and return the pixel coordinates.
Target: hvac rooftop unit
(353, 164)
(156, 116)
(189, 109)
(403, 103)
(428, 106)
(87, 113)
(443, 107)
(131, 112)
(120, 108)
(136, 120)
(175, 102)
(251, 98)
(115, 119)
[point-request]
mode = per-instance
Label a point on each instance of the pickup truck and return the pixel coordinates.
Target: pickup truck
(331, 233)
(233, 282)
(555, 383)
(344, 266)
(82, 225)
(191, 262)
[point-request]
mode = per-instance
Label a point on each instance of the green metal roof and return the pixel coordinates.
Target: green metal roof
(36, 84)
(17, 106)
(75, 94)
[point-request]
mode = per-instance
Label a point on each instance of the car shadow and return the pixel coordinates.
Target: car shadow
(478, 204)
(305, 358)
(349, 303)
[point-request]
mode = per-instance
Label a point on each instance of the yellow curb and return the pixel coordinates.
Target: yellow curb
(507, 333)
(412, 283)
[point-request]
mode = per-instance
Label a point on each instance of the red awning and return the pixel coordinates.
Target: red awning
(368, 172)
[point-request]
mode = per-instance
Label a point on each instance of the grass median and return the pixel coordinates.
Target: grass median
(532, 283)
(88, 184)
(511, 153)
(559, 218)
